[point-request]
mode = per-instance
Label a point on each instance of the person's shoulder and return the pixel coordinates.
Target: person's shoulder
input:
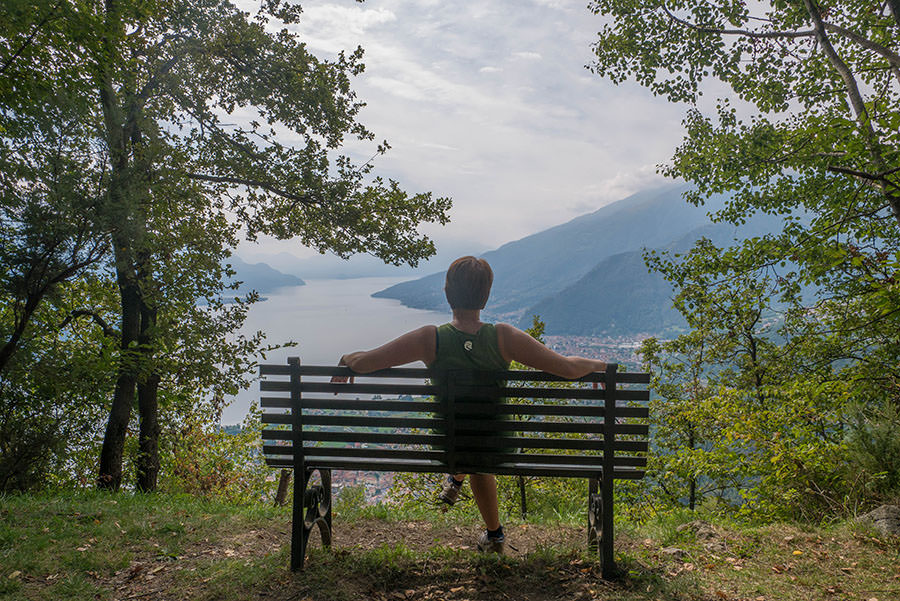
(428, 330)
(507, 331)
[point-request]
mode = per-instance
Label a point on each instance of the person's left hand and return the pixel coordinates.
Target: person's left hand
(341, 379)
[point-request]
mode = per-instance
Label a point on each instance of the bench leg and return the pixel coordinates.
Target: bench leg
(595, 516)
(600, 525)
(312, 507)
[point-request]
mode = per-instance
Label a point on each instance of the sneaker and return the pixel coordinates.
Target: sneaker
(490, 544)
(450, 491)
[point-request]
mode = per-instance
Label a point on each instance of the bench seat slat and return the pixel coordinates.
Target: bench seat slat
(429, 424)
(472, 442)
(421, 373)
(351, 453)
(521, 442)
(362, 388)
(354, 405)
(398, 465)
(434, 407)
(430, 390)
(354, 421)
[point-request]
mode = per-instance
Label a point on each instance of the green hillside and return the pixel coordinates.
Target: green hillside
(620, 296)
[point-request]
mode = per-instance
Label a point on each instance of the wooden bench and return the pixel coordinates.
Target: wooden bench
(541, 426)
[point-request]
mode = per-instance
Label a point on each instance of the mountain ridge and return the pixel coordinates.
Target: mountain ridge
(559, 273)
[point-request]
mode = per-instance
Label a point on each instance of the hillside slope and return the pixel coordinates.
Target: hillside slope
(620, 296)
(534, 267)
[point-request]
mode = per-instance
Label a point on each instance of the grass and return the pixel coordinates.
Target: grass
(92, 545)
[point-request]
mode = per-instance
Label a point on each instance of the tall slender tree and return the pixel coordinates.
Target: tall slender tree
(207, 123)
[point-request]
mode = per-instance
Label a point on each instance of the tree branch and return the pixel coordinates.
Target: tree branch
(854, 95)
(760, 35)
(253, 183)
(871, 177)
(75, 314)
(892, 57)
(30, 38)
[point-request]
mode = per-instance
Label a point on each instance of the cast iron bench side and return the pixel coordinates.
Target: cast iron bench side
(315, 427)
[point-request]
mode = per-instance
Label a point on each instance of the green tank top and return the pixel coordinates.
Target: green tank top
(459, 350)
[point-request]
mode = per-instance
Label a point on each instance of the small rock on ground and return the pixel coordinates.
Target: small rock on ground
(886, 519)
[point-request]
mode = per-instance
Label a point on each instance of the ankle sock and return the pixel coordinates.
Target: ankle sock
(498, 533)
(454, 481)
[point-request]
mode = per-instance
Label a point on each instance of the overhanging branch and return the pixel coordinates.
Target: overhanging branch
(107, 329)
(761, 35)
(254, 183)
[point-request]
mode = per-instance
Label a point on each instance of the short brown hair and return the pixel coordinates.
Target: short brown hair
(468, 283)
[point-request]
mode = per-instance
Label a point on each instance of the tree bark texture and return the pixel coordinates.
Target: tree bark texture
(284, 485)
(148, 441)
(523, 502)
(148, 407)
(110, 476)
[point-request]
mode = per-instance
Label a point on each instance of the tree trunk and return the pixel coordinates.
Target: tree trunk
(31, 304)
(110, 476)
(284, 485)
(148, 441)
(523, 504)
(692, 495)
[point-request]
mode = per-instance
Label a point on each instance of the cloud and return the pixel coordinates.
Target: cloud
(520, 136)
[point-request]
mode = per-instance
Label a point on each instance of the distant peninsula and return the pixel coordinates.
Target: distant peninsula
(260, 276)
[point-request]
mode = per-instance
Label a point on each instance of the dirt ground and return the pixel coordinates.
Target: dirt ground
(151, 578)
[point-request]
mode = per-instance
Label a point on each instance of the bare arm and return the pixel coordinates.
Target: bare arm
(516, 345)
(417, 345)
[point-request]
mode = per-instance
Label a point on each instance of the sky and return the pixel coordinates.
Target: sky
(491, 104)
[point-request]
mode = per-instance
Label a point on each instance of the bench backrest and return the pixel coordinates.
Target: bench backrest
(419, 420)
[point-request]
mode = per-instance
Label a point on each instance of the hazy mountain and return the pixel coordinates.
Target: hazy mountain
(620, 296)
(534, 267)
(587, 276)
(329, 266)
(261, 277)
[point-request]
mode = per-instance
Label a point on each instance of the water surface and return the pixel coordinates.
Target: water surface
(327, 318)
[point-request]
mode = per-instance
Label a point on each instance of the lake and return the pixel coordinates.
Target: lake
(327, 318)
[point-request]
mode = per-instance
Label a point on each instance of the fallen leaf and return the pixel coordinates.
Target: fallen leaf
(15, 574)
(721, 594)
(456, 589)
(797, 552)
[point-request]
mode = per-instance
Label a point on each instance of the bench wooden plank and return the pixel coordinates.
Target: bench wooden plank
(573, 410)
(424, 466)
(352, 453)
(423, 373)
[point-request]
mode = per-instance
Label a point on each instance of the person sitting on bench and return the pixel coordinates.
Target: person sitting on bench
(468, 343)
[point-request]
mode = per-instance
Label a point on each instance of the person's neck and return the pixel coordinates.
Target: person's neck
(467, 320)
